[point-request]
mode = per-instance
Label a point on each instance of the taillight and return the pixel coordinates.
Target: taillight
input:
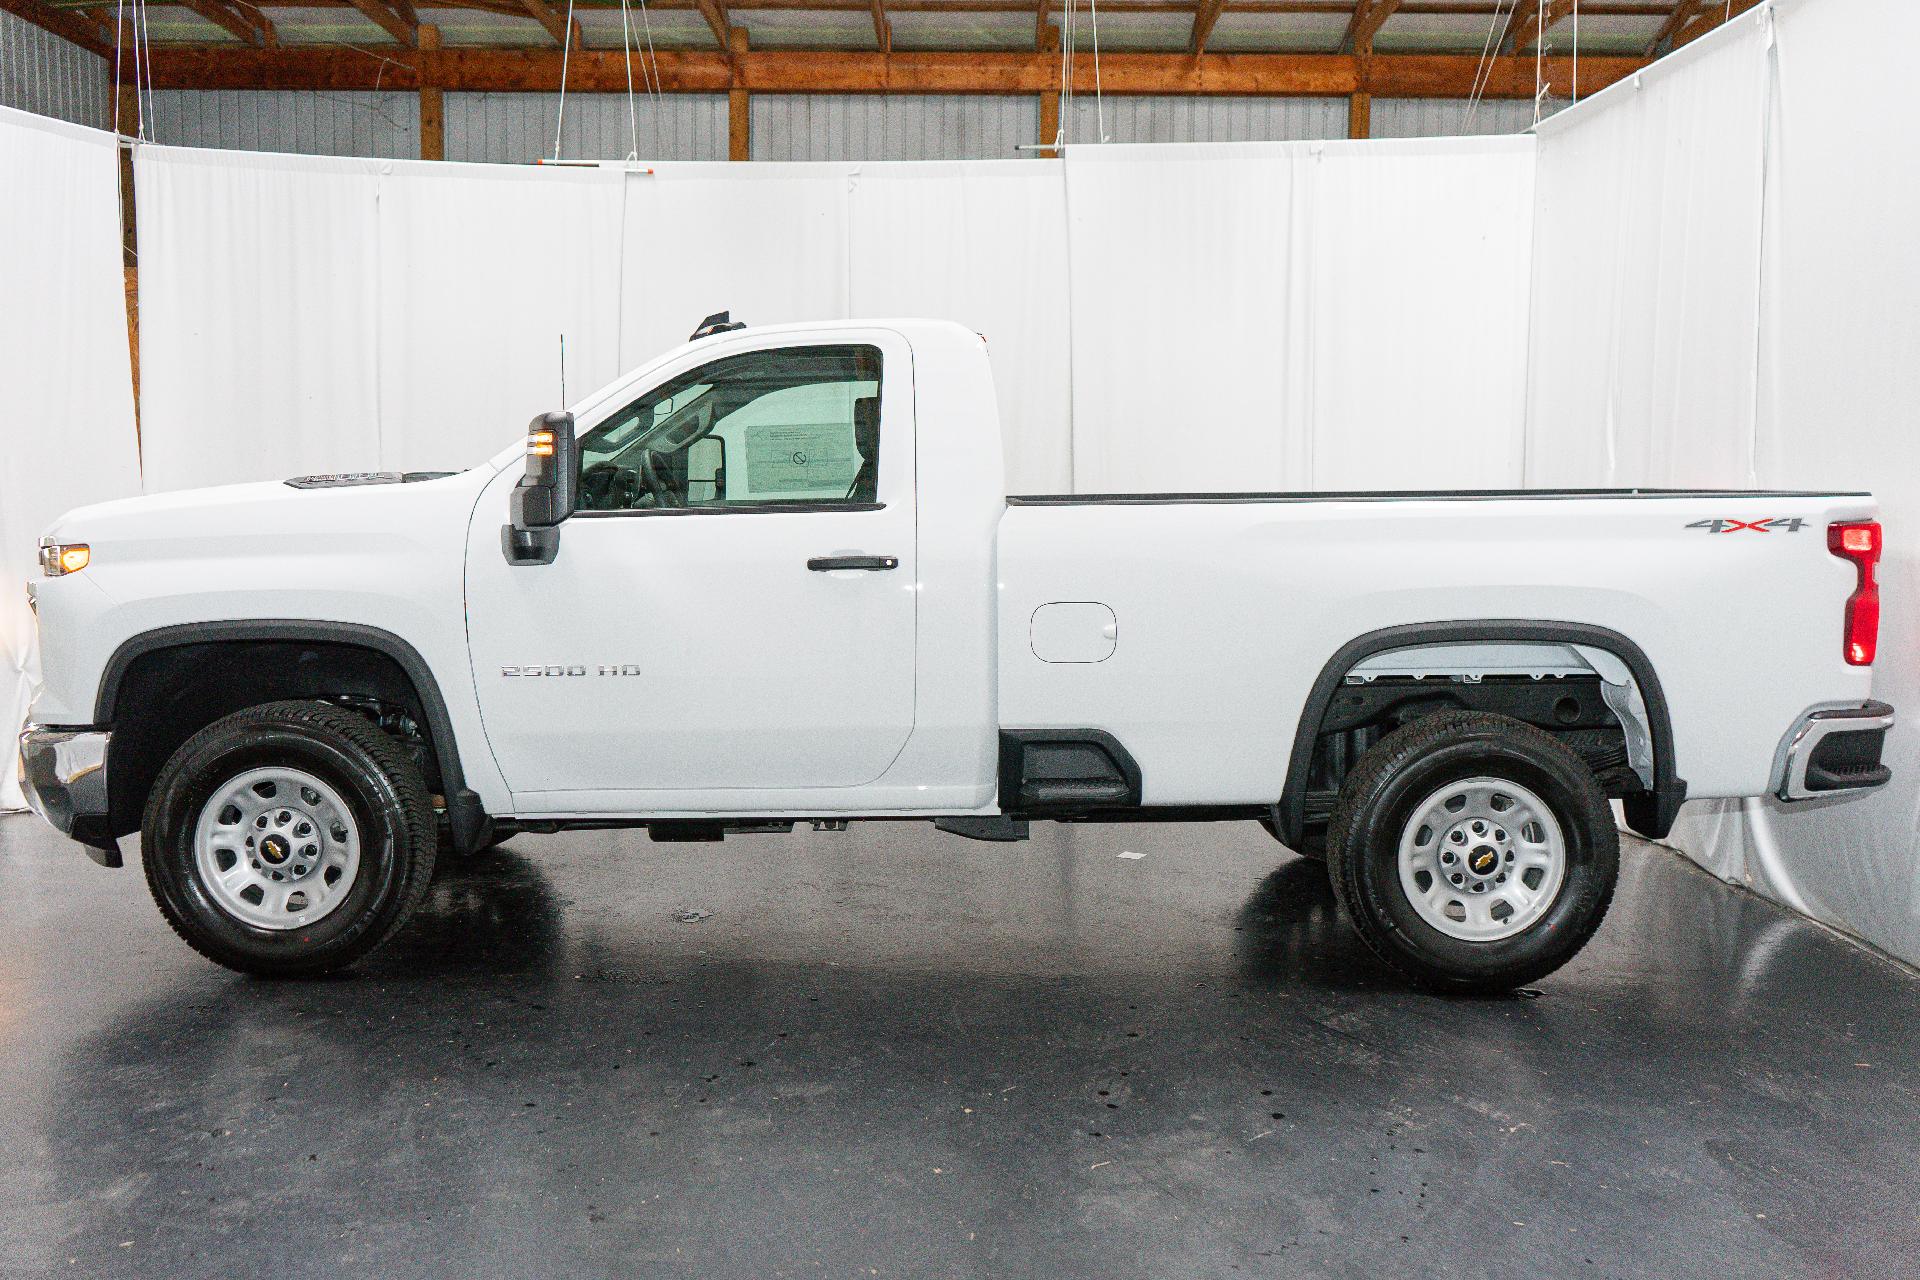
(1860, 543)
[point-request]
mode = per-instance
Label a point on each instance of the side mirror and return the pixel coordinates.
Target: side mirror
(545, 495)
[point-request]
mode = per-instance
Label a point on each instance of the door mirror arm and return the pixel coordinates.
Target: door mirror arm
(544, 497)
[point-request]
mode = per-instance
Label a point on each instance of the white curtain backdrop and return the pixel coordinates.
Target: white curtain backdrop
(302, 314)
(311, 314)
(1646, 274)
(391, 314)
(482, 270)
(66, 387)
(767, 242)
(1299, 315)
(259, 348)
(915, 228)
(1725, 279)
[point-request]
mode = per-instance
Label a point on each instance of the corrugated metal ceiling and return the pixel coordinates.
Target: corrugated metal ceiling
(1607, 26)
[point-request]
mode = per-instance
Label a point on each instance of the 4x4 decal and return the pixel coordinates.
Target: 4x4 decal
(1783, 524)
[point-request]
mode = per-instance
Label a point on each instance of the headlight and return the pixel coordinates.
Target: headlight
(57, 559)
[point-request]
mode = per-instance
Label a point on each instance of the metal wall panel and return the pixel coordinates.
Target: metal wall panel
(42, 73)
(892, 126)
(517, 128)
(1449, 117)
(1213, 119)
(307, 122)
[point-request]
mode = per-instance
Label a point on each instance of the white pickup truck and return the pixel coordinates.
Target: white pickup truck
(773, 577)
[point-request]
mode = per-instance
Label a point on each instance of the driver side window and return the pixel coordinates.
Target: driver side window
(785, 428)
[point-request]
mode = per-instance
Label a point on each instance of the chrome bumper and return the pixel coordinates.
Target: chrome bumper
(64, 774)
(1835, 752)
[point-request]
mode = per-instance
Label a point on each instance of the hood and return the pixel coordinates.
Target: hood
(346, 503)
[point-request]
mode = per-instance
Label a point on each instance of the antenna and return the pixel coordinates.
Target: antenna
(563, 370)
(718, 322)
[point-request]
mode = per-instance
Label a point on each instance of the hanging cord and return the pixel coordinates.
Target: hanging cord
(1539, 58)
(1483, 71)
(1099, 109)
(139, 40)
(650, 76)
(1066, 86)
(119, 28)
(1576, 50)
(1069, 50)
(566, 51)
(626, 50)
(146, 64)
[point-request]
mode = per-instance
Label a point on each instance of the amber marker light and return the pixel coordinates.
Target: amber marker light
(59, 559)
(540, 444)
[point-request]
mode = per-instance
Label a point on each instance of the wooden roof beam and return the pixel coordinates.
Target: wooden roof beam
(228, 66)
(1534, 19)
(63, 23)
(1368, 18)
(107, 22)
(400, 21)
(715, 12)
(1710, 16)
(554, 20)
(249, 25)
(1205, 15)
(882, 29)
(1683, 12)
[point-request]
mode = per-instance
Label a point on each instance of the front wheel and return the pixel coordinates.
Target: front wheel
(1473, 853)
(288, 839)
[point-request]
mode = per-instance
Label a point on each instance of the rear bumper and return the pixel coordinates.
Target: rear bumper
(64, 774)
(1834, 752)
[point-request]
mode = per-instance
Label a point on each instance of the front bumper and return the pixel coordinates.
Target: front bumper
(1834, 752)
(64, 773)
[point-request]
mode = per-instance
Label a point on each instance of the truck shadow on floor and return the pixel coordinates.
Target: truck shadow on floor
(496, 913)
(1290, 932)
(499, 914)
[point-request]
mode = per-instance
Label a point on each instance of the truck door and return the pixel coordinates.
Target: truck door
(732, 607)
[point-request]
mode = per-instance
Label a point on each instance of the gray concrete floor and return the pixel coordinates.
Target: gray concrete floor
(887, 1052)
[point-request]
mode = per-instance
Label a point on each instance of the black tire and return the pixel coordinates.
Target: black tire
(379, 784)
(1381, 796)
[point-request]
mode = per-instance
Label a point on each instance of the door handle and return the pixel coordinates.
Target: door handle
(827, 564)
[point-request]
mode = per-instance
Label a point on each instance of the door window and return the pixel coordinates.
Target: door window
(785, 428)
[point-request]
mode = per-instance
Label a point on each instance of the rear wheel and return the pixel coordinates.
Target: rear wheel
(1474, 853)
(287, 839)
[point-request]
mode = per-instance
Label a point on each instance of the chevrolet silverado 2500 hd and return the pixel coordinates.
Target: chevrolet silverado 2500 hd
(773, 576)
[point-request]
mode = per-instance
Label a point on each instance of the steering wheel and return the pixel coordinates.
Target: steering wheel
(654, 474)
(607, 486)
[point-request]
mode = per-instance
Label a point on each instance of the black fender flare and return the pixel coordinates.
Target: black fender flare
(465, 813)
(1651, 813)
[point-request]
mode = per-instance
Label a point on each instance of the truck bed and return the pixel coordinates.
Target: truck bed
(1226, 609)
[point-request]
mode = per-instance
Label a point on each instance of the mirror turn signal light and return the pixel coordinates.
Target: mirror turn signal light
(540, 444)
(59, 559)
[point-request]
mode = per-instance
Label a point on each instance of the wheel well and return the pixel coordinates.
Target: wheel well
(1591, 688)
(159, 697)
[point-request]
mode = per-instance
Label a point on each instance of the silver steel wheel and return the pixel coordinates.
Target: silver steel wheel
(1482, 859)
(277, 848)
